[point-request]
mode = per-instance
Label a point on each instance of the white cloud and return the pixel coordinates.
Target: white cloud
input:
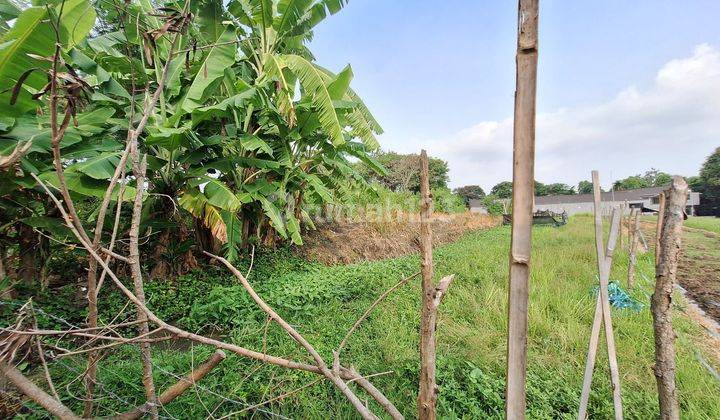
(672, 125)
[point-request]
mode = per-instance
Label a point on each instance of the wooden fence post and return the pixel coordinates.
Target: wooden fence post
(431, 298)
(602, 309)
(658, 228)
(522, 206)
(661, 303)
(633, 250)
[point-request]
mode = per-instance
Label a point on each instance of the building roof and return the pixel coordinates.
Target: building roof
(629, 195)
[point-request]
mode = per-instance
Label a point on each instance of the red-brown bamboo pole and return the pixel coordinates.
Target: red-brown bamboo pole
(661, 302)
(522, 206)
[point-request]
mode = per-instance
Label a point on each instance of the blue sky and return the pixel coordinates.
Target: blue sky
(621, 83)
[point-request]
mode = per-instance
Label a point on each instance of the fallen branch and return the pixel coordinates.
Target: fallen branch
(319, 362)
(35, 393)
(178, 388)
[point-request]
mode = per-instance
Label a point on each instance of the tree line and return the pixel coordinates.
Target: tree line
(707, 183)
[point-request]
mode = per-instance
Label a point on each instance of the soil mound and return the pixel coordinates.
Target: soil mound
(347, 242)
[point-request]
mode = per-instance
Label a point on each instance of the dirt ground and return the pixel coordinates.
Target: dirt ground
(699, 267)
(348, 242)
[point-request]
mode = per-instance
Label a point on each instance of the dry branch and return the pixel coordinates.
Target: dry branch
(522, 206)
(661, 302)
(334, 377)
(178, 388)
(33, 392)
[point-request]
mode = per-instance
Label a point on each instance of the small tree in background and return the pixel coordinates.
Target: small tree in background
(559, 188)
(470, 192)
(708, 184)
(585, 187)
(402, 172)
(502, 190)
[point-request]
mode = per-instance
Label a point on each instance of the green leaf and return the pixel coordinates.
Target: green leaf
(82, 184)
(293, 227)
(339, 86)
(54, 226)
(220, 195)
(212, 69)
(312, 80)
(32, 33)
(273, 213)
(98, 167)
(250, 142)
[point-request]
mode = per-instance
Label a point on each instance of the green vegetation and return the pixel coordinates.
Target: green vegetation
(323, 302)
(248, 133)
(708, 184)
(709, 223)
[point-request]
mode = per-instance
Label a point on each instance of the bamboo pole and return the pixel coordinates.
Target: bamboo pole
(522, 205)
(602, 309)
(633, 250)
(661, 302)
(427, 396)
(658, 228)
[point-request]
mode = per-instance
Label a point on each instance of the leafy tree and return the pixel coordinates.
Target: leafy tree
(470, 192)
(559, 189)
(709, 185)
(403, 171)
(541, 189)
(585, 187)
(248, 132)
(502, 190)
(655, 178)
(630, 183)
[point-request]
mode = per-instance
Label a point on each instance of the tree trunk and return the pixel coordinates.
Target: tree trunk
(28, 243)
(427, 396)
(661, 304)
(522, 205)
(658, 228)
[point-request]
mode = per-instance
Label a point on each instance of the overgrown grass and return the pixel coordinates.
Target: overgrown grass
(710, 223)
(323, 302)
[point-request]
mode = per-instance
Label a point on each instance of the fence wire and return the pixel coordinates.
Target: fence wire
(107, 393)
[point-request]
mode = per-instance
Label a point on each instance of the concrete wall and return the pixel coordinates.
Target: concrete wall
(587, 207)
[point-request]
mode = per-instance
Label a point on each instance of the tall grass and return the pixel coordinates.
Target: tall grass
(710, 223)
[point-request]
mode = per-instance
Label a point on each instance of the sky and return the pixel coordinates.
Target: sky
(623, 86)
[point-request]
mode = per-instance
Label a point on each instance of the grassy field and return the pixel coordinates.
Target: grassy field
(323, 302)
(704, 222)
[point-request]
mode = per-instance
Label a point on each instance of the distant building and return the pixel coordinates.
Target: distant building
(477, 206)
(646, 199)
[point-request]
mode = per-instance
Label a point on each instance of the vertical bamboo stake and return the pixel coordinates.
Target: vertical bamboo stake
(604, 303)
(622, 216)
(633, 250)
(661, 303)
(658, 228)
(427, 395)
(522, 206)
(627, 223)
